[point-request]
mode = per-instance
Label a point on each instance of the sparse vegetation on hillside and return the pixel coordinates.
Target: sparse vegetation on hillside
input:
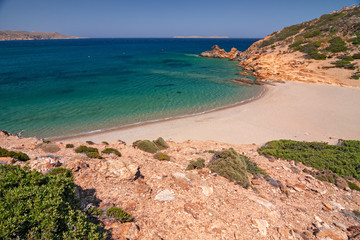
(342, 159)
(37, 206)
(16, 155)
(111, 150)
(325, 37)
(198, 164)
(119, 214)
(89, 151)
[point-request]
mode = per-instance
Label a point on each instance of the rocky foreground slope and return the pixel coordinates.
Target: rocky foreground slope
(169, 202)
(23, 35)
(323, 50)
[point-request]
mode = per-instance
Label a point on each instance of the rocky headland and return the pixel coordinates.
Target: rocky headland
(23, 35)
(324, 50)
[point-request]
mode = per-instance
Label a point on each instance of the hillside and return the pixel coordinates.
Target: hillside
(22, 35)
(268, 198)
(323, 50)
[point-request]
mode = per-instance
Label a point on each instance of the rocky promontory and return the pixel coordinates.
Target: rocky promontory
(217, 52)
(324, 50)
(23, 35)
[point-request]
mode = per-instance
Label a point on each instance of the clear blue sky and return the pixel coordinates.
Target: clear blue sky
(161, 18)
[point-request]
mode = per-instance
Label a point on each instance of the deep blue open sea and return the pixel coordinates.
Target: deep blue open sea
(64, 87)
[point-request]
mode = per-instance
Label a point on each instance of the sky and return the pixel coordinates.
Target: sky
(161, 18)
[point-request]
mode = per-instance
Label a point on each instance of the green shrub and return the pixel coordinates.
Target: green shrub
(94, 155)
(296, 44)
(94, 211)
(162, 156)
(231, 165)
(356, 56)
(357, 213)
(316, 56)
(69, 145)
(119, 214)
(346, 58)
(37, 206)
(111, 150)
(336, 45)
(146, 146)
(160, 143)
(89, 151)
(85, 149)
(344, 160)
(62, 172)
(353, 186)
(344, 64)
(16, 155)
(254, 169)
(48, 147)
(198, 164)
(282, 35)
(105, 143)
(356, 76)
(90, 142)
(312, 34)
(211, 151)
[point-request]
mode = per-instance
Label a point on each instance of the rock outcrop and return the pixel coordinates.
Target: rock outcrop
(217, 52)
(319, 51)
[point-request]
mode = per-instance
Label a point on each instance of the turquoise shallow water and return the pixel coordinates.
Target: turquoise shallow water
(65, 87)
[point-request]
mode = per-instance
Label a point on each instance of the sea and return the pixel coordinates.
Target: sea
(53, 88)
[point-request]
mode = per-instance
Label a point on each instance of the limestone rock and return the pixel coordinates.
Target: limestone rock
(165, 195)
(341, 183)
(217, 52)
(207, 191)
(261, 225)
(330, 234)
(7, 160)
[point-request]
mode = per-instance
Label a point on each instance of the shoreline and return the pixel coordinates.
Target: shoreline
(293, 110)
(261, 93)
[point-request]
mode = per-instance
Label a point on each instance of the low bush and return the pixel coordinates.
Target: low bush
(146, 146)
(353, 186)
(37, 206)
(312, 34)
(346, 58)
(342, 159)
(94, 155)
(231, 165)
(356, 56)
(89, 151)
(85, 149)
(198, 164)
(336, 45)
(254, 169)
(90, 142)
(111, 150)
(161, 144)
(69, 145)
(119, 214)
(105, 143)
(48, 147)
(344, 64)
(94, 211)
(16, 155)
(61, 172)
(162, 156)
(356, 76)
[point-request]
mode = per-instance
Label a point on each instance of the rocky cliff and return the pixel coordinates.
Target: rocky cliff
(22, 35)
(168, 201)
(323, 50)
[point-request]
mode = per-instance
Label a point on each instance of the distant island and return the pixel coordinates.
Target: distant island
(200, 37)
(23, 35)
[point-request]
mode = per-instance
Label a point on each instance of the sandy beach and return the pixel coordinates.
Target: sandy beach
(293, 110)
